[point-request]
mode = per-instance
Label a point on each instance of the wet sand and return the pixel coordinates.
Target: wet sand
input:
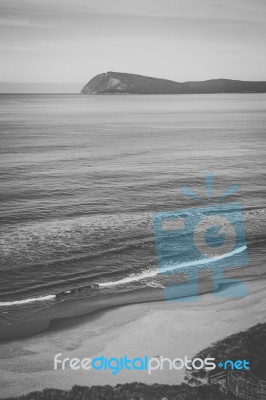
(15, 326)
(157, 328)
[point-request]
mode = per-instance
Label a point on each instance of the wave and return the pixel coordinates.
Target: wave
(26, 301)
(173, 267)
(131, 278)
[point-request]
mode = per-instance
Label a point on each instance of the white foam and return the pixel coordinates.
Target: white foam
(26, 301)
(172, 267)
(136, 277)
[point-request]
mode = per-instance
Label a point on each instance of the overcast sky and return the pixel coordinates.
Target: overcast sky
(73, 40)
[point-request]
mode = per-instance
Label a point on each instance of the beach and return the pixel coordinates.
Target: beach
(160, 328)
(132, 204)
(82, 272)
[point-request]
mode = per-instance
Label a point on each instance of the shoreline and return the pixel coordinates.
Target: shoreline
(80, 308)
(167, 328)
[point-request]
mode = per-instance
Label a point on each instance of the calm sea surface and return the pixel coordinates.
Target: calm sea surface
(82, 176)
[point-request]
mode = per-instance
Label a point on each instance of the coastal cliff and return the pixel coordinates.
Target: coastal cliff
(122, 83)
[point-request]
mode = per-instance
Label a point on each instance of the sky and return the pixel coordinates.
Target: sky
(67, 42)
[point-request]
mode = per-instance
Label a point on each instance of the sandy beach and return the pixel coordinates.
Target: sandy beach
(159, 328)
(27, 322)
(132, 211)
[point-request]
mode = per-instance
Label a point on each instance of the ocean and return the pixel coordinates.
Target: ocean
(83, 176)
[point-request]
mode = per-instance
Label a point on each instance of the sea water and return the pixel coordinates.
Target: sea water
(83, 176)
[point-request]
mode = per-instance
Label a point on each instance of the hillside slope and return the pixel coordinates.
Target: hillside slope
(118, 82)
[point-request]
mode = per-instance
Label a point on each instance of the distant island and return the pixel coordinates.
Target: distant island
(122, 83)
